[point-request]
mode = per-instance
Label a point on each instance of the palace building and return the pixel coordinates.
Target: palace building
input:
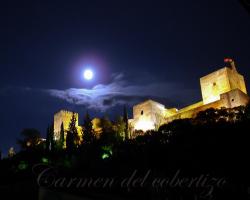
(222, 88)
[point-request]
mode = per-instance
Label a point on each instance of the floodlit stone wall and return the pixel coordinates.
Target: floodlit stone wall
(222, 88)
(63, 116)
(219, 82)
(148, 115)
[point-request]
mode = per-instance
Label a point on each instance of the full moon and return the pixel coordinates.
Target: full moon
(88, 74)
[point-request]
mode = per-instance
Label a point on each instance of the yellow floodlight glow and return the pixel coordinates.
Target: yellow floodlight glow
(144, 125)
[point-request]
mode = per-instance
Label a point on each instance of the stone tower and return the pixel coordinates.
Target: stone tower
(63, 116)
(220, 82)
(148, 115)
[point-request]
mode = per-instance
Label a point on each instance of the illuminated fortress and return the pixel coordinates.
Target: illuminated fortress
(222, 88)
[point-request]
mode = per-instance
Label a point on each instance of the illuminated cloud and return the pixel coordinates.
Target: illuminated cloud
(118, 92)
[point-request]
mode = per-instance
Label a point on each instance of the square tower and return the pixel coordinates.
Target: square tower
(148, 115)
(220, 82)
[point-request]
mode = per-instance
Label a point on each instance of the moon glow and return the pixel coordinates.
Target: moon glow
(88, 74)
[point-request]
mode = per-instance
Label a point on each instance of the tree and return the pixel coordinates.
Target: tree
(52, 138)
(11, 152)
(88, 134)
(97, 128)
(106, 124)
(125, 119)
(50, 142)
(120, 128)
(247, 112)
(108, 135)
(238, 113)
(176, 126)
(207, 116)
(70, 146)
(61, 139)
(245, 4)
(30, 139)
(72, 138)
(48, 139)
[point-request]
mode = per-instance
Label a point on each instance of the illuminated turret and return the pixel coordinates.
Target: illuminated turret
(221, 81)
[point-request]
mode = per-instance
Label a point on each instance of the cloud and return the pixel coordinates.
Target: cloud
(118, 92)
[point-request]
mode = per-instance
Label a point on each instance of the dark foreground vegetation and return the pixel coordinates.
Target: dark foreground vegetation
(202, 158)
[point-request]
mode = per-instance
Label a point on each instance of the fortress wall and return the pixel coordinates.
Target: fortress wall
(236, 80)
(242, 84)
(141, 109)
(193, 106)
(230, 99)
(170, 112)
(235, 98)
(193, 112)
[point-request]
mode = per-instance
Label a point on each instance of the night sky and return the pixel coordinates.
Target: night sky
(137, 50)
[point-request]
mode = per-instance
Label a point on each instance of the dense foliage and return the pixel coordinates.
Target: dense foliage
(216, 142)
